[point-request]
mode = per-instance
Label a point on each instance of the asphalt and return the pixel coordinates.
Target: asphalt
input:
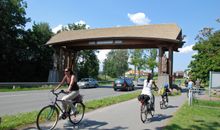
(124, 116)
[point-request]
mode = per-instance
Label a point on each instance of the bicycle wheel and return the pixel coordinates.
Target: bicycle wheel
(151, 110)
(47, 118)
(76, 116)
(143, 113)
(165, 102)
(161, 104)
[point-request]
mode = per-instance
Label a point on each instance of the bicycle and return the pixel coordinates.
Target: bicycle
(164, 101)
(147, 108)
(48, 116)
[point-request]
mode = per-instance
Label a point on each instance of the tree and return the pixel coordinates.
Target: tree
(138, 59)
(12, 21)
(87, 61)
(116, 63)
(88, 64)
(208, 54)
(151, 60)
(34, 55)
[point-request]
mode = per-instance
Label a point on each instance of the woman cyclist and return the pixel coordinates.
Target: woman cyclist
(72, 91)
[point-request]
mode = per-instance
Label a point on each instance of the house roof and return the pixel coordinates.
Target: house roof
(150, 36)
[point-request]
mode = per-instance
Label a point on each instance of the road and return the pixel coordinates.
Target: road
(27, 101)
(124, 116)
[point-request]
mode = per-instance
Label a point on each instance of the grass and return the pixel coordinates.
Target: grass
(204, 115)
(23, 119)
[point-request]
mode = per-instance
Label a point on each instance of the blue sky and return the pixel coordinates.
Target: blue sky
(190, 15)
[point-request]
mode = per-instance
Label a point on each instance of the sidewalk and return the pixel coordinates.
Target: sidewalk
(124, 116)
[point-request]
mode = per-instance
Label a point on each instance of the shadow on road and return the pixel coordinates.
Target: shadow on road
(91, 125)
(159, 117)
(170, 106)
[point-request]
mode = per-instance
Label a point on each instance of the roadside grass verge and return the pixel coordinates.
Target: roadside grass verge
(23, 119)
(204, 115)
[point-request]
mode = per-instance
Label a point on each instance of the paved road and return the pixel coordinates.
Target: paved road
(27, 101)
(124, 116)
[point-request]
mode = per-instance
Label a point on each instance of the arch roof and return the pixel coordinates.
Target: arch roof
(129, 37)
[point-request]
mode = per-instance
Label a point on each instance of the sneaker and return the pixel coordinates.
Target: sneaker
(60, 116)
(63, 115)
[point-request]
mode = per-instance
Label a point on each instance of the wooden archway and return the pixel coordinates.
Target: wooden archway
(166, 37)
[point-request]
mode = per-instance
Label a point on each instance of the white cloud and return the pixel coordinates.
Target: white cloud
(139, 18)
(186, 49)
(82, 22)
(102, 55)
(57, 28)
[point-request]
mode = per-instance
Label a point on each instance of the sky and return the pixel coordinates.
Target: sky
(190, 15)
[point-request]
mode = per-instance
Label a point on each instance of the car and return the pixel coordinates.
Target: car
(123, 83)
(88, 83)
(140, 81)
(175, 86)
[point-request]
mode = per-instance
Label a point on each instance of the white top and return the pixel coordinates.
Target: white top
(147, 88)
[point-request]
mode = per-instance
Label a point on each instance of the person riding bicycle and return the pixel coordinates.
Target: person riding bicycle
(165, 92)
(72, 91)
(147, 89)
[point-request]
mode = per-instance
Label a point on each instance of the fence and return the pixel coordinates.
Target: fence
(29, 84)
(195, 94)
(203, 94)
(16, 84)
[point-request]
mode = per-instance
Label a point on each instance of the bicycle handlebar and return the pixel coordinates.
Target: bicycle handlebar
(57, 93)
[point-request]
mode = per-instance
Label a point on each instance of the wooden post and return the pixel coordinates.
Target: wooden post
(170, 66)
(61, 64)
(73, 60)
(70, 61)
(161, 53)
(66, 62)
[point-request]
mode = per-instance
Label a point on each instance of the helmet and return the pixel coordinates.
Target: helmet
(166, 85)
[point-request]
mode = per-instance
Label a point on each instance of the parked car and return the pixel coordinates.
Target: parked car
(87, 83)
(123, 83)
(140, 81)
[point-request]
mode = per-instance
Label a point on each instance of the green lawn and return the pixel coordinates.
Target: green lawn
(203, 115)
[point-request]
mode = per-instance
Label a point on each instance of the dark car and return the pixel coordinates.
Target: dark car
(88, 83)
(123, 83)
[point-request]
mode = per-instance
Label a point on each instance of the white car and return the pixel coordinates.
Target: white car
(88, 83)
(140, 82)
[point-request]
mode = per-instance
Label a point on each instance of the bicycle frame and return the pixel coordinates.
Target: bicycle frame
(57, 100)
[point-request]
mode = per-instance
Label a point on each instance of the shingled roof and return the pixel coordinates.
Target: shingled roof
(147, 33)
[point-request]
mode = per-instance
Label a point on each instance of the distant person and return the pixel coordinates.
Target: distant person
(147, 89)
(197, 83)
(190, 84)
(72, 91)
(186, 83)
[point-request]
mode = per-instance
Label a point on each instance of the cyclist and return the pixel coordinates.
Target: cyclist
(147, 89)
(165, 92)
(72, 91)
